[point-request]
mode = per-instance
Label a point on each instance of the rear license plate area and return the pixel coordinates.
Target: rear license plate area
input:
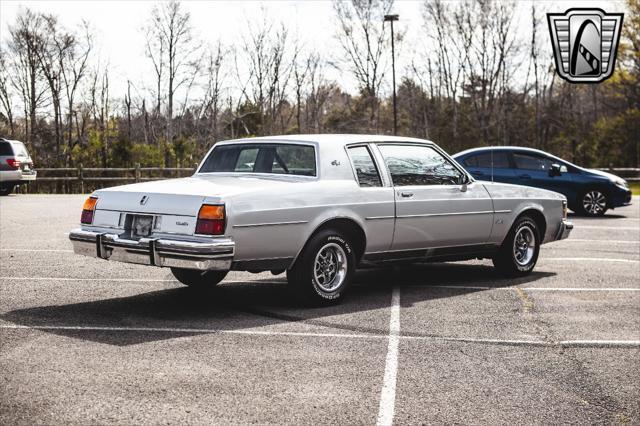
(139, 225)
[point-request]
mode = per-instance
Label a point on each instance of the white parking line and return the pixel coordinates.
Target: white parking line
(510, 288)
(621, 228)
(518, 342)
(37, 250)
(578, 240)
(124, 280)
(388, 393)
(590, 259)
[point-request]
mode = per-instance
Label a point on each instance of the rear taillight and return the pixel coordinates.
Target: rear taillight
(13, 163)
(88, 209)
(211, 220)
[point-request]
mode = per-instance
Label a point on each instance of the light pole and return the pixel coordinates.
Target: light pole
(391, 18)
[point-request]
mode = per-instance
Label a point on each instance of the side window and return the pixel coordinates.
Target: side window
(5, 148)
(531, 162)
(499, 161)
(366, 170)
(419, 165)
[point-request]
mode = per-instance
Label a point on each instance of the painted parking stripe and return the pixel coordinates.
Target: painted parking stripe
(388, 392)
(578, 240)
(515, 342)
(621, 228)
(124, 280)
(590, 259)
(37, 250)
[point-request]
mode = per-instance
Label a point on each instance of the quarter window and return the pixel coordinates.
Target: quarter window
(419, 165)
(365, 167)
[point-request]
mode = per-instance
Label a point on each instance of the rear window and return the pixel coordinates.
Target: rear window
(20, 149)
(282, 159)
(5, 148)
(500, 160)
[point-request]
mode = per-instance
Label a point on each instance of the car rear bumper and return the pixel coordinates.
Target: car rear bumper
(206, 256)
(565, 229)
(17, 176)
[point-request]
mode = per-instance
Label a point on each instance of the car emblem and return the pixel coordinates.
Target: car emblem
(585, 42)
(143, 200)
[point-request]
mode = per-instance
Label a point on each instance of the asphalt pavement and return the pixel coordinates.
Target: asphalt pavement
(87, 341)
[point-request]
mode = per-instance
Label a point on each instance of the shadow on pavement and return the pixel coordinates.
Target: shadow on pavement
(254, 304)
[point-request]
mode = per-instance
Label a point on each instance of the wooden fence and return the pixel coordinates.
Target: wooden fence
(86, 179)
(68, 180)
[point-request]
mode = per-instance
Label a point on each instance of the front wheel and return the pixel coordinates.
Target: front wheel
(519, 251)
(593, 203)
(324, 270)
(198, 279)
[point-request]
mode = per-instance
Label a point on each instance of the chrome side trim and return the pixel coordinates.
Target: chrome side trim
(443, 214)
(378, 217)
(250, 225)
(502, 211)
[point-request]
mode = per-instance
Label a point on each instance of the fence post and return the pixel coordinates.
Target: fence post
(81, 178)
(137, 172)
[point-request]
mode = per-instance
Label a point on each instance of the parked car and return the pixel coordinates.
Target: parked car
(16, 166)
(589, 192)
(317, 207)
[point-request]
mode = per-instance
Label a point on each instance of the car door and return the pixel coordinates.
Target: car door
(533, 169)
(436, 206)
(492, 166)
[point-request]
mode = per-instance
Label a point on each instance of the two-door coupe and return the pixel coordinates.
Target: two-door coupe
(317, 207)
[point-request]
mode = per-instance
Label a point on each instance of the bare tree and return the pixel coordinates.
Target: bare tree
(363, 39)
(6, 95)
(24, 43)
(172, 49)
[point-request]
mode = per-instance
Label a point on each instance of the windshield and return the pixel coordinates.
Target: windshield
(287, 159)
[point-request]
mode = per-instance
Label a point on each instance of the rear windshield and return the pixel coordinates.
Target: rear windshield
(283, 159)
(20, 149)
(5, 148)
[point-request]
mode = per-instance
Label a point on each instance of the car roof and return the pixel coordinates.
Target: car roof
(342, 139)
(501, 148)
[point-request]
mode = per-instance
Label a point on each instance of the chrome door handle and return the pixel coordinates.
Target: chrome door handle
(406, 194)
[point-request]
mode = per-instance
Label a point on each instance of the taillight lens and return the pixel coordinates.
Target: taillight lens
(211, 220)
(13, 163)
(88, 209)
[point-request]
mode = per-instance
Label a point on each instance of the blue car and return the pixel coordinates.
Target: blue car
(589, 192)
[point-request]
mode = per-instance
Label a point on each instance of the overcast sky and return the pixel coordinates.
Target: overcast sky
(120, 40)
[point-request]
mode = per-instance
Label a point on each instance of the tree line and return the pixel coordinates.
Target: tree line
(473, 82)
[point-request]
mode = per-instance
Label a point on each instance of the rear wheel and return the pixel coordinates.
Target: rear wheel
(519, 251)
(6, 188)
(324, 269)
(198, 279)
(593, 203)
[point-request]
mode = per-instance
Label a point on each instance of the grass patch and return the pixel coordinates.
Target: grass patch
(635, 188)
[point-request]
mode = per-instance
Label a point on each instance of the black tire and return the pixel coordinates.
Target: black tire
(513, 259)
(6, 189)
(198, 279)
(330, 255)
(593, 203)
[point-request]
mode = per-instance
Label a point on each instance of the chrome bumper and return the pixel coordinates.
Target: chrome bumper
(565, 230)
(211, 255)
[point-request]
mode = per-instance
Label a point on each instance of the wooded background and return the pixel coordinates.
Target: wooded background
(479, 84)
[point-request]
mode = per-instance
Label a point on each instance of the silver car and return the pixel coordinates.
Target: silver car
(16, 166)
(318, 207)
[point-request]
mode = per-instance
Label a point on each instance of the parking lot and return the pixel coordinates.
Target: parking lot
(89, 341)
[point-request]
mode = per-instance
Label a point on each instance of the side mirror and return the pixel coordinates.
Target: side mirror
(556, 170)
